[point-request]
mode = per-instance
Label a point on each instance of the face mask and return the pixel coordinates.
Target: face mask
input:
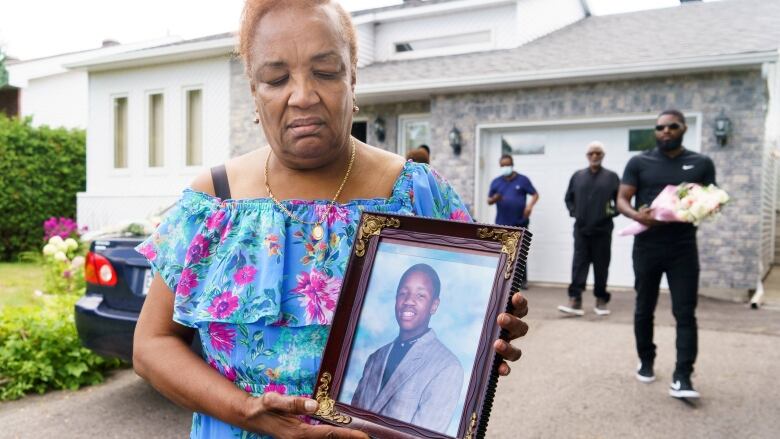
(506, 171)
(669, 145)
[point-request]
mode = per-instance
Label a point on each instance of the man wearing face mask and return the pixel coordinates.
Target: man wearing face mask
(509, 192)
(665, 248)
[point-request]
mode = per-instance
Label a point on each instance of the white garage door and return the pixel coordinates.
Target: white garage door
(549, 155)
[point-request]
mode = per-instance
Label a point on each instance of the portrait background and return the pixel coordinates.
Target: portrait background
(466, 284)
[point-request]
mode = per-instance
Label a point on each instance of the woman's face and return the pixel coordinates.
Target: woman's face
(303, 85)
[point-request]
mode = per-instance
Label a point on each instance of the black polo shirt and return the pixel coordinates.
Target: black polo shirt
(652, 170)
(591, 199)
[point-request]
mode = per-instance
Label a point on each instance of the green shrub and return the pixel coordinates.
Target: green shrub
(40, 350)
(41, 170)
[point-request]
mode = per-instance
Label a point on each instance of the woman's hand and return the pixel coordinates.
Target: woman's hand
(277, 415)
(516, 329)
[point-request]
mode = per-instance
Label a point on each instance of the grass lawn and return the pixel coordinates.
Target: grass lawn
(18, 281)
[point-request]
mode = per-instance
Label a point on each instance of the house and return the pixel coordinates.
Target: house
(534, 78)
(44, 89)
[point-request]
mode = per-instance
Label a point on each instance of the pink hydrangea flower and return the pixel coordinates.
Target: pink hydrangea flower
(199, 249)
(187, 282)
(319, 293)
(223, 337)
(276, 388)
(148, 251)
(245, 275)
(223, 305)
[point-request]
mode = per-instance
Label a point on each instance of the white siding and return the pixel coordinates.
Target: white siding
(501, 21)
(536, 18)
(769, 171)
(365, 44)
(114, 195)
(56, 100)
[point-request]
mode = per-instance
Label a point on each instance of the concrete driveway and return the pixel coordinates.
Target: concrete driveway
(575, 381)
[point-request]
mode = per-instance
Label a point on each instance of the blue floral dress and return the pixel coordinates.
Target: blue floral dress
(260, 289)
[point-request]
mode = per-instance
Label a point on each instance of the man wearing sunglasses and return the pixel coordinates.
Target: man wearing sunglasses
(665, 248)
(591, 199)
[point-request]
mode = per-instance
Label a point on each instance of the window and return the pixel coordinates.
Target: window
(156, 152)
(194, 128)
(449, 41)
(120, 132)
(413, 131)
(523, 144)
(641, 139)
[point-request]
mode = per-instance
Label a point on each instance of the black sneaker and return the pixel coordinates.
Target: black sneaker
(644, 372)
(682, 387)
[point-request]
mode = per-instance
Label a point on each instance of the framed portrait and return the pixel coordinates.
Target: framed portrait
(410, 352)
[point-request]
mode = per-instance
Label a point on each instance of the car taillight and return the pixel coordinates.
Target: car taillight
(99, 271)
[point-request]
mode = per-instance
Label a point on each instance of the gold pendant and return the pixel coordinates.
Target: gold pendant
(317, 232)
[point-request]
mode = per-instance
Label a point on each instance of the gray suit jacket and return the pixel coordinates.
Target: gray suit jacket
(423, 390)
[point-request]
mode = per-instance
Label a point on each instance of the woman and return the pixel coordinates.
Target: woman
(256, 277)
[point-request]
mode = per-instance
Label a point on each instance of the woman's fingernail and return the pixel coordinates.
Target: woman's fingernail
(310, 405)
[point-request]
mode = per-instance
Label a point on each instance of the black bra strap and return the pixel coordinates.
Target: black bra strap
(220, 180)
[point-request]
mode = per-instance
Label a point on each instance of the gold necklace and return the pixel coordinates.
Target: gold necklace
(317, 232)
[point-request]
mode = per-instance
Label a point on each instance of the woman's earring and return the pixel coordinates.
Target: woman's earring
(257, 118)
(355, 108)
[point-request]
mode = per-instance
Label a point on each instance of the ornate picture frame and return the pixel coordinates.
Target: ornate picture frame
(410, 351)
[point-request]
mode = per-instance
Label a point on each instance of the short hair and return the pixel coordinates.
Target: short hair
(426, 148)
(428, 271)
(418, 155)
(672, 112)
(506, 156)
(255, 10)
(596, 144)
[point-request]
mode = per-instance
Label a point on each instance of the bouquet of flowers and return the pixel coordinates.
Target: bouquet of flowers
(685, 203)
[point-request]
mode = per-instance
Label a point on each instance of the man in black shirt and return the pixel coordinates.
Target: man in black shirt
(665, 247)
(591, 199)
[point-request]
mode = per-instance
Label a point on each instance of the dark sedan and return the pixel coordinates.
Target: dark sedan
(118, 279)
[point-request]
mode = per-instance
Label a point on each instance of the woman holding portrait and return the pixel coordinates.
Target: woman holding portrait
(252, 258)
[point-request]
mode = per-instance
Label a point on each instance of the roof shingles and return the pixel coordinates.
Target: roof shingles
(699, 29)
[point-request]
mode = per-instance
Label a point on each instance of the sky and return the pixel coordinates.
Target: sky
(37, 28)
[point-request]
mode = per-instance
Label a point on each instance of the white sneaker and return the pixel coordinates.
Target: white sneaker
(601, 308)
(683, 388)
(574, 307)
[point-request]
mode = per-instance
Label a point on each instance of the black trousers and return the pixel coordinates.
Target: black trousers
(680, 261)
(590, 249)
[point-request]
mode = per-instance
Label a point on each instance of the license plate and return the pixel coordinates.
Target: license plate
(147, 282)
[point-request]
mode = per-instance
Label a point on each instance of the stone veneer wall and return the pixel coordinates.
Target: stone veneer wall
(730, 247)
(245, 135)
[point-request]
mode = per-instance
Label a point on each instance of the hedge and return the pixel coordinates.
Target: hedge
(41, 170)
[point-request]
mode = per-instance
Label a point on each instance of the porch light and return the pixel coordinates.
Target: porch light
(722, 128)
(379, 129)
(455, 140)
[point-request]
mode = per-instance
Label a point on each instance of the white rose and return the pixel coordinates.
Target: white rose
(60, 256)
(49, 249)
(72, 244)
(723, 197)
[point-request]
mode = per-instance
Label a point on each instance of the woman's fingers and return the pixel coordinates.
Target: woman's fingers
(294, 405)
(513, 325)
(519, 305)
(506, 350)
(504, 369)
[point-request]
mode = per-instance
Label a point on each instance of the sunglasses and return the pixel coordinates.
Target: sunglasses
(594, 153)
(671, 126)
